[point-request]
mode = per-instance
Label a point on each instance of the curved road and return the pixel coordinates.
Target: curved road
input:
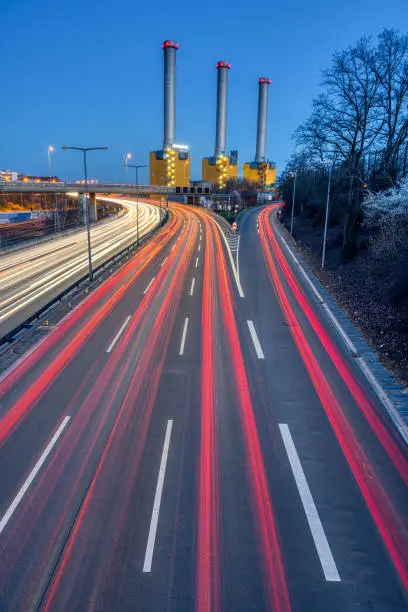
(30, 277)
(190, 439)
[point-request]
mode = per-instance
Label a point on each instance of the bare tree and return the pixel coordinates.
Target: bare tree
(391, 69)
(345, 122)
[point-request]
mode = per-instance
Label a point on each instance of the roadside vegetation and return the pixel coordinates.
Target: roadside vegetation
(358, 132)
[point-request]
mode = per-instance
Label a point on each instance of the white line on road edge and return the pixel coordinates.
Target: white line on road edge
(164, 261)
(192, 286)
(255, 340)
(196, 263)
(149, 285)
(322, 546)
(116, 338)
(239, 240)
(183, 337)
(147, 566)
(10, 511)
(234, 270)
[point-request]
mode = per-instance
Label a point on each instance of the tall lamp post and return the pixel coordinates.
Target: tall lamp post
(136, 167)
(326, 218)
(127, 157)
(88, 225)
(56, 220)
(293, 175)
(49, 151)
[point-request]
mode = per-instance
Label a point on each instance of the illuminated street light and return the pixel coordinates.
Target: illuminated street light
(85, 150)
(127, 157)
(49, 151)
(136, 167)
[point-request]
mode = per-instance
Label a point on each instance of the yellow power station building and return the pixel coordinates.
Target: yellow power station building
(170, 167)
(218, 170)
(262, 173)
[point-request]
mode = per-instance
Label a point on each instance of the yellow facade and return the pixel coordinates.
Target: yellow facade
(170, 168)
(263, 173)
(219, 171)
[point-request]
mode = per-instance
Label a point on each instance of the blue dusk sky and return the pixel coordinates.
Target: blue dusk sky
(89, 73)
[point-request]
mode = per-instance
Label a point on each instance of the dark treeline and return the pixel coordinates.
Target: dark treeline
(359, 127)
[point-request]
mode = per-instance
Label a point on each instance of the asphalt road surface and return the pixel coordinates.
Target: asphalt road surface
(30, 277)
(195, 437)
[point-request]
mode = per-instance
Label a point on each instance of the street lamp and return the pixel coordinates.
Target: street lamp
(326, 219)
(56, 220)
(136, 167)
(127, 157)
(88, 225)
(293, 175)
(50, 150)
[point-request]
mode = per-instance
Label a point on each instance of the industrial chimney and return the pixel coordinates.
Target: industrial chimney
(221, 167)
(262, 119)
(169, 48)
(170, 166)
(222, 94)
(261, 171)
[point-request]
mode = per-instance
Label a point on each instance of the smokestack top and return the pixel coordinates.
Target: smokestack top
(223, 65)
(264, 80)
(169, 43)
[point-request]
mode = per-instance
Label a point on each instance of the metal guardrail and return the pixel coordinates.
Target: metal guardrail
(55, 303)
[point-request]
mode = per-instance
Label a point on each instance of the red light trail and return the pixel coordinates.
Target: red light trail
(388, 521)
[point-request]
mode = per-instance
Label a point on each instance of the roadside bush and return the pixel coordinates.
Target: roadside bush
(386, 219)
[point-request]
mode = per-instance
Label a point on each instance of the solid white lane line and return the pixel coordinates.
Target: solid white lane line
(26, 485)
(255, 340)
(120, 332)
(322, 546)
(196, 262)
(147, 566)
(192, 286)
(239, 239)
(149, 285)
(183, 337)
(164, 261)
(233, 267)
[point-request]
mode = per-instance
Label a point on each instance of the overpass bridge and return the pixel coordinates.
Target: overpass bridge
(106, 188)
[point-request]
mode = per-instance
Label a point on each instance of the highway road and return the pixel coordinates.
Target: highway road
(195, 437)
(30, 277)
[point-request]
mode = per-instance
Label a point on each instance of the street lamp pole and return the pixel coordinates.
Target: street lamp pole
(56, 219)
(127, 157)
(294, 174)
(50, 150)
(326, 220)
(88, 224)
(136, 167)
